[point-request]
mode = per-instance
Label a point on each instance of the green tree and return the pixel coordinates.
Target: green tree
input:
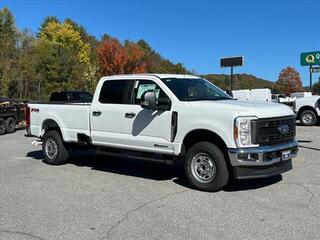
(8, 53)
(26, 73)
(48, 20)
(155, 63)
(316, 88)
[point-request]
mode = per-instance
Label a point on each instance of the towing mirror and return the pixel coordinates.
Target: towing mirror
(148, 100)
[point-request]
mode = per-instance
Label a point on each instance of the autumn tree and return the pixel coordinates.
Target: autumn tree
(158, 64)
(64, 55)
(289, 81)
(115, 58)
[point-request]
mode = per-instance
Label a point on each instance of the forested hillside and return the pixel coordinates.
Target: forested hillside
(240, 81)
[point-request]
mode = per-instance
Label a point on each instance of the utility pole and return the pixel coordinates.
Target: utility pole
(310, 72)
(231, 83)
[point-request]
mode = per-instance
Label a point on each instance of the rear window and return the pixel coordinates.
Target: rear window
(59, 96)
(81, 96)
(113, 91)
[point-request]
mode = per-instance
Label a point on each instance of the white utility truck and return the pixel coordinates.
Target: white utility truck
(172, 118)
(307, 109)
(259, 94)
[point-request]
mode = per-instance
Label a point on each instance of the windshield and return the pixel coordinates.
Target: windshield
(195, 89)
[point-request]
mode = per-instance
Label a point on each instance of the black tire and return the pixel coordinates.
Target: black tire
(3, 126)
(11, 124)
(308, 118)
(206, 150)
(52, 140)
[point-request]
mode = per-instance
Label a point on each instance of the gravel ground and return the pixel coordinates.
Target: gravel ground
(98, 197)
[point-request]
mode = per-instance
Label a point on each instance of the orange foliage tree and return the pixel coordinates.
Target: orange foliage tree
(289, 81)
(115, 58)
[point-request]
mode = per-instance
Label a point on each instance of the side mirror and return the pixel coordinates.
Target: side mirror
(148, 100)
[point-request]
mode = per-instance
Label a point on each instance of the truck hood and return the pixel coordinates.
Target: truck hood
(259, 109)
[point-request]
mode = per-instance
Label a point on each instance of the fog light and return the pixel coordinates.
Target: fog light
(267, 157)
(248, 156)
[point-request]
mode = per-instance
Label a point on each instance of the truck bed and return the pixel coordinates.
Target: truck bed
(73, 118)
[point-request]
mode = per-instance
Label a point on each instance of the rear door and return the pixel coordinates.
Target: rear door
(107, 113)
(146, 129)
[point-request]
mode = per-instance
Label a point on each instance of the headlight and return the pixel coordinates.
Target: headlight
(242, 132)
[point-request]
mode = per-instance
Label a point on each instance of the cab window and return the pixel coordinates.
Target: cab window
(113, 92)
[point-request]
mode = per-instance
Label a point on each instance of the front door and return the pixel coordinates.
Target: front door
(147, 129)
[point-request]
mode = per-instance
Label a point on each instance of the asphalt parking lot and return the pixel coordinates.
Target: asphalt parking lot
(98, 197)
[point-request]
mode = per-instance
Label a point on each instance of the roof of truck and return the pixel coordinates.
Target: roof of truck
(159, 75)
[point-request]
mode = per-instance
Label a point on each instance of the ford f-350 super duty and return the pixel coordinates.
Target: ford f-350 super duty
(172, 118)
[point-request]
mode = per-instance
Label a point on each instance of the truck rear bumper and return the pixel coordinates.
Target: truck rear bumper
(263, 161)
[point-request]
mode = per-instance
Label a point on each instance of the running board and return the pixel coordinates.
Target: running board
(129, 156)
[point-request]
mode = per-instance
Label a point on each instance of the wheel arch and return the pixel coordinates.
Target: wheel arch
(205, 135)
(50, 124)
(306, 108)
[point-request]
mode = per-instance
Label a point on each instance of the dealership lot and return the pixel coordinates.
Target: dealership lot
(98, 197)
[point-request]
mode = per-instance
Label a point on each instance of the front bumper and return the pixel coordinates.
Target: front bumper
(262, 161)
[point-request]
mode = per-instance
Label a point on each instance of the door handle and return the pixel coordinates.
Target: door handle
(96, 113)
(130, 115)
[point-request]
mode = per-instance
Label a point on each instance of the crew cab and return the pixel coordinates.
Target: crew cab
(180, 119)
(307, 109)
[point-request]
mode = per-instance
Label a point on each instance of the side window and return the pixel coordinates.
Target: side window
(142, 86)
(113, 91)
(75, 96)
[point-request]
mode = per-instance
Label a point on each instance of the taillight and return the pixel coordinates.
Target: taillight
(27, 116)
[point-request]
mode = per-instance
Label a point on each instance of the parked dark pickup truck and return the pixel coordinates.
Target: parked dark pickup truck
(12, 112)
(71, 96)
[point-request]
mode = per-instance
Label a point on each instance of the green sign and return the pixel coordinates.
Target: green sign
(310, 58)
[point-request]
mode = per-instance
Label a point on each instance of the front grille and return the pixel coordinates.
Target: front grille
(265, 131)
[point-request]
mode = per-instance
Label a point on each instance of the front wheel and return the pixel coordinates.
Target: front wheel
(206, 168)
(54, 149)
(308, 118)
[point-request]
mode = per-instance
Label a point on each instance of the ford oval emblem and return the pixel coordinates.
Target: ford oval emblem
(284, 128)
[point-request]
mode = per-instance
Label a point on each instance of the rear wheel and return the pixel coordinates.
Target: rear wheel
(54, 150)
(206, 168)
(11, 124)
(3, 126)
(308, 118)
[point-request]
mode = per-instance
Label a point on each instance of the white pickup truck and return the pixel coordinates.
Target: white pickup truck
(307, 109)
(172, 118)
